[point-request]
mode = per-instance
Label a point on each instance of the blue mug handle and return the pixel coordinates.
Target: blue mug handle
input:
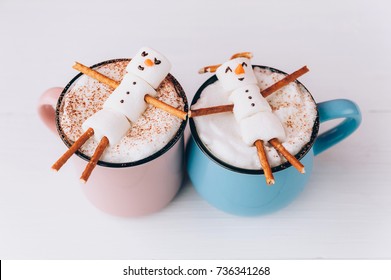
(335, 109)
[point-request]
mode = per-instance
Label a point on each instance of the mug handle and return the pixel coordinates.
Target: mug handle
(335, 109)
(47, 107)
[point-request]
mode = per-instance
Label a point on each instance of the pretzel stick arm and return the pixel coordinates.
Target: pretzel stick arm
(289, 157)
(164, 106)
(95, 75)
(211, 110)
(72, 149)
(114, 84)
(247, 55)
(210, 69)
(285, 81)
(104, 142)
(264, 162)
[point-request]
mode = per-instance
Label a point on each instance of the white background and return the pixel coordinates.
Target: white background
(345, 212)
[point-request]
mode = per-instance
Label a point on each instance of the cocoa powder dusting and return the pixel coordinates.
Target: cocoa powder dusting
(154, 129)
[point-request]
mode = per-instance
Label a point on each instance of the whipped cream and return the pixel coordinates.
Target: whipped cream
(150, 133)
(220, 133)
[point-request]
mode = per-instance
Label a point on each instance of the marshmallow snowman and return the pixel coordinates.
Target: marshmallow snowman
(251, 110)
(126, 103)
(248, 101)
(128, 97)
(261, 126)
(109, 123)
(150, 66)
(236, 73)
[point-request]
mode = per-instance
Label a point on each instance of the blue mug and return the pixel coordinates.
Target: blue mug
(244, 192)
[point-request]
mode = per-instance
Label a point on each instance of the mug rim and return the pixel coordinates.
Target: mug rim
(306, 148)
(166, 148)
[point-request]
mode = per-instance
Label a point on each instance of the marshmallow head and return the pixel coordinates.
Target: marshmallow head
(128, 97)
(149, 65)
(108, 123)
(236, 73)
(248, 101)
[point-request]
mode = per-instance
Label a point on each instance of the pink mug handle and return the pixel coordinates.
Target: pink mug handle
(47, 107)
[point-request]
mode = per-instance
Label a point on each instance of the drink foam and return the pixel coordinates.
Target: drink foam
(220, 133)
(152, 131)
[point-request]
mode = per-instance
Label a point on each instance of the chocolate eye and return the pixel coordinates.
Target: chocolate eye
(244, 64)
(140, 68)
(157, 61)
(228, 69)
(144, 53)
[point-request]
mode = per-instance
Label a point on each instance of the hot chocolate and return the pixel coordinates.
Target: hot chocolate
(149, 134)
(222, 135)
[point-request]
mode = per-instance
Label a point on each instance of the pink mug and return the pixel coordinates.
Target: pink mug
(129, 189)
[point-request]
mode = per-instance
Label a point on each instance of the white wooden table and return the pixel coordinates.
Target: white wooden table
(345, 212)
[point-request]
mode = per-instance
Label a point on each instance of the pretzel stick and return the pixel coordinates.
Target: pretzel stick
(95, 75)
(114, 84)
(213, 68)
(72, 149)
(164, 106)
(248, 55)
(281, 149)
(264, 162)
(104, 142)
(228, 108)
(210, 69)
(285, 81)
(211, 110)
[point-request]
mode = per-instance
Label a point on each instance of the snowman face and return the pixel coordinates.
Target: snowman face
(236, 73)
(149, 65)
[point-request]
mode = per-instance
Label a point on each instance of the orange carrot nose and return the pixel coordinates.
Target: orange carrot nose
(148, 62)
(239, 70)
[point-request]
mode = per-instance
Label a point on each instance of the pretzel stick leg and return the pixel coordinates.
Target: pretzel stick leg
(164, 106)
(78, 143)
(211, 110)
(94, 159)
(289, 157)
(264, 162)
(285, 81)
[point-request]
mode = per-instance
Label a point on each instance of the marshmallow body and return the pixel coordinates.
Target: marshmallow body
(248, 101)
(149, 65)
(236, 73)
(109, 123)
(128, 97)
(261, 126)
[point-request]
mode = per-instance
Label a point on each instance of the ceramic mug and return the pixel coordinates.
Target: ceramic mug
(244, 192)
(124, 189)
